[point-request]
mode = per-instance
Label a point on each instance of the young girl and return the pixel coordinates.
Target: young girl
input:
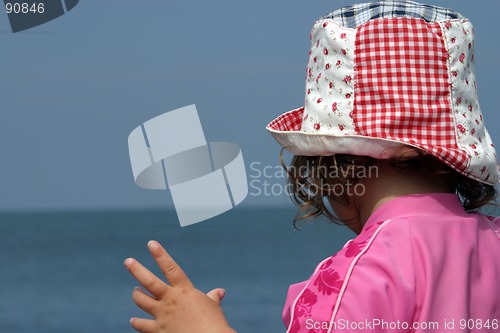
(391, 142)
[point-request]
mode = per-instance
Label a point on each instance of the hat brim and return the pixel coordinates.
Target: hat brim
(286, 130)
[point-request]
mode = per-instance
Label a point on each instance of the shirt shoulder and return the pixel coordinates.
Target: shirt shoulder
(381, 283)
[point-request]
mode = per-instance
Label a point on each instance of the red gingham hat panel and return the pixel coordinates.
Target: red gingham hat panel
(402, 90)
(289, 121)
(472, 135)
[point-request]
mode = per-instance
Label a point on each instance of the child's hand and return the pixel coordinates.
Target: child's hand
(178, 307)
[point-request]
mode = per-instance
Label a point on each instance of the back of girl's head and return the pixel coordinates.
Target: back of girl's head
(315, 178)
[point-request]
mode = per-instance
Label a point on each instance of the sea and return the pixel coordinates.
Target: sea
(63, 271)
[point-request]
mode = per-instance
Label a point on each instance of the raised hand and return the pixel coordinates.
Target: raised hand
(176, 307)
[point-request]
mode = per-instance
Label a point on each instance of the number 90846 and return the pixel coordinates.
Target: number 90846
(24, 8)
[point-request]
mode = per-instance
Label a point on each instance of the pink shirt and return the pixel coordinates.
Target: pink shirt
(420, 264)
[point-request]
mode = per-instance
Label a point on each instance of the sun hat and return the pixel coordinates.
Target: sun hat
(387, 75)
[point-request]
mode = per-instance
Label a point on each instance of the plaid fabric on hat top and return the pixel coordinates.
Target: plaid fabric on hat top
(403, 92)
(356, 15)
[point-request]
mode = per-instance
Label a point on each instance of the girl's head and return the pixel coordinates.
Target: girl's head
(336, 186)
(385, 76)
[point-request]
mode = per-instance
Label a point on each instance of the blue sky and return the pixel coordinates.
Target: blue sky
(73, 89)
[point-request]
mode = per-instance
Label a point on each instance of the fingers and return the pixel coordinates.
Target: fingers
(143, 325)
(144, 301)
(150, 281)
(216, 295)
(173, 272)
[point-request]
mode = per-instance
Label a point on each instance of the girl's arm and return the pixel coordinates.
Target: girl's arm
(176, 307)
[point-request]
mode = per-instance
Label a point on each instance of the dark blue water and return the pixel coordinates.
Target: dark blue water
(63, 272)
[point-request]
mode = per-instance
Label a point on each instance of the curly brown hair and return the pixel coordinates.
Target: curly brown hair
(313, 178)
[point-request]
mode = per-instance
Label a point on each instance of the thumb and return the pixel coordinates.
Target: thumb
(216, 295)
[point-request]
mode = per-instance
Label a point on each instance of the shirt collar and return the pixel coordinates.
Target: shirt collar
(428, 204)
